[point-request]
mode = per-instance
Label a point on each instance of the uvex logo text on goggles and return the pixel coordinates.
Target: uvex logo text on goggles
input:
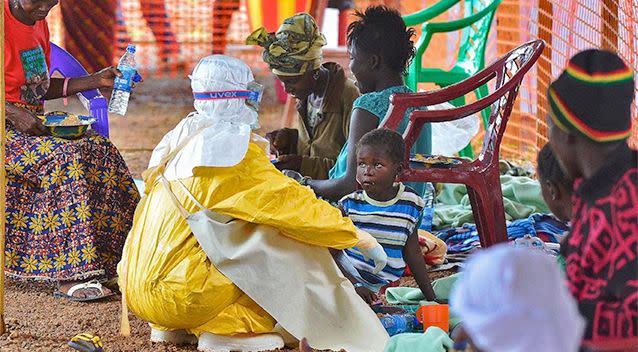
(227, 94)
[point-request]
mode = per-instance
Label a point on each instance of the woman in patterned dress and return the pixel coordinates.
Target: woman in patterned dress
(69, 203)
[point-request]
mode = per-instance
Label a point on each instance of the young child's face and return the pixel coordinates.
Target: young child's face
(376, 172)
(557, 198)
(563, 150)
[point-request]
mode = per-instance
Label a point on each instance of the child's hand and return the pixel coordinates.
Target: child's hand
(366, 294)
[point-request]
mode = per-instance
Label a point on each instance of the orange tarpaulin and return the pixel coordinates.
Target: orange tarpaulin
(271, 13)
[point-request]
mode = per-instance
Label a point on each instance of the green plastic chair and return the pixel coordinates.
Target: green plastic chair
(475, 28)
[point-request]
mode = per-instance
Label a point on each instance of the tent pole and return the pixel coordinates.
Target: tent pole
(3, 181)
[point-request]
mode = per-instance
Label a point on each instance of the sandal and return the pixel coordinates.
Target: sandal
(82, 286)
(86, 343)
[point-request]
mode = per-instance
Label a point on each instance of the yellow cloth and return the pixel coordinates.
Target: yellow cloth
(169, 280)
(294, 48)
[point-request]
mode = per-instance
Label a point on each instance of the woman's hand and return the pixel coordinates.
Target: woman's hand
(105, 77)
(289, 162)
(24, 121)
(368, 296)
(283, 141)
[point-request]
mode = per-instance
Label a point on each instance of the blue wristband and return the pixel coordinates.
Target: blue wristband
(358, 284)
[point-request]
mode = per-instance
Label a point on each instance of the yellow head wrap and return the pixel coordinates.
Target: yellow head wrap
(294, 48)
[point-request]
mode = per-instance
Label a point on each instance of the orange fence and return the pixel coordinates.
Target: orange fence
(173, 34)
(567, 26)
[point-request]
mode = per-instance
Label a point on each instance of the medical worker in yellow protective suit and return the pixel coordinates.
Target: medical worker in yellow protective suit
(224, 246)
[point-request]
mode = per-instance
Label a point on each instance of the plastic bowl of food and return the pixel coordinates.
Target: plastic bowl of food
(65, 125)
(434, 161)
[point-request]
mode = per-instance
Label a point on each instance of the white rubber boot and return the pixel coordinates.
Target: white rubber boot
(243, 342)
(177, 337)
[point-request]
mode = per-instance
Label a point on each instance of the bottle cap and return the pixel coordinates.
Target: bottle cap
(130, 48)
(460, 345)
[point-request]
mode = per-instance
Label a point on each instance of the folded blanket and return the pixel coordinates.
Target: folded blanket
(521, 197)
(544, 226)
(432, 340)
(413, 295)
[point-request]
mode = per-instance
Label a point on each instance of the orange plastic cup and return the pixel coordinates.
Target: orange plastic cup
(435, 315)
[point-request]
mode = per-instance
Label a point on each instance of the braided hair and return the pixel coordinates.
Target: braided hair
(381, 30)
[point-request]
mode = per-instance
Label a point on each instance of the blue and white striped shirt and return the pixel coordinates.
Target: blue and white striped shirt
(391, 223)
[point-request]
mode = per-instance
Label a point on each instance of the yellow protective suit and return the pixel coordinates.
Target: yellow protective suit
(169, 280)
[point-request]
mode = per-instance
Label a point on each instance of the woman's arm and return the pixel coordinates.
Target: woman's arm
(414, 258)
(100, 79)
(362, 122)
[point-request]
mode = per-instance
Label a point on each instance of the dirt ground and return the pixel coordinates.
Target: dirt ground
(35, 320)
(38, 322)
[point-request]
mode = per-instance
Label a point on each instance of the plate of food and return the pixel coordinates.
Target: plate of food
(66, 125)
(438, 161)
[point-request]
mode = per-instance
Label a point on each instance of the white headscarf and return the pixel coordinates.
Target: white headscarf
(516, 299)
(219, 130)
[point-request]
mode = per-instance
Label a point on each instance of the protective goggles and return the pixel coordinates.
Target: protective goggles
(252, 94)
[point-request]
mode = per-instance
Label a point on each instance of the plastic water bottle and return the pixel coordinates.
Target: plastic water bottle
(399, 323)
(123, 85)
(460, 347)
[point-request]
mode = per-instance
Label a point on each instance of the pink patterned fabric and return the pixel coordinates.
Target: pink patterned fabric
(601, 252)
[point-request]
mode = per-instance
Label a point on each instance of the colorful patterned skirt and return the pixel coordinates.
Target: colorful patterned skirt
(70, 206)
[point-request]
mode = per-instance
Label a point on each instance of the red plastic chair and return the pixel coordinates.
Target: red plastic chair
(481, 176)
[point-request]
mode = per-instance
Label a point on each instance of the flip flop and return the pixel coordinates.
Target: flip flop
(90, 284)
(86, 343)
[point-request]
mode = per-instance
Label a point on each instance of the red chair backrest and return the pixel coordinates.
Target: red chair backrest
(508, 71)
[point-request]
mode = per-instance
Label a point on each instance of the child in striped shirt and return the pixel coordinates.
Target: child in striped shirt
(389, 211)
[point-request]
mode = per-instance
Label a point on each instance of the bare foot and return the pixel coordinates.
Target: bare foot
(304, 347)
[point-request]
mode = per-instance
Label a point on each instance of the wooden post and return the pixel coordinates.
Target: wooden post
(317, 9)
(508, 17)
(610, 25)
(545, 23)
(508, 29)
(3, 183)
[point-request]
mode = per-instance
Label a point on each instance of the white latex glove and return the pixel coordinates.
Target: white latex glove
(377, 254)
(371, 249)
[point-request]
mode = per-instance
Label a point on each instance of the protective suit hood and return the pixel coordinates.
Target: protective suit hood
(218, 132)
